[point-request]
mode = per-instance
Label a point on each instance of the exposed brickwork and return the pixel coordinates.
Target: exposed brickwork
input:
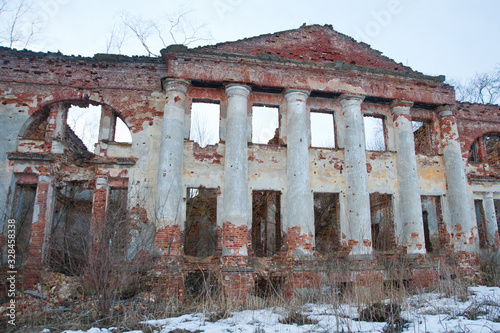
(317, 44)
(168, 240)
(237, 286)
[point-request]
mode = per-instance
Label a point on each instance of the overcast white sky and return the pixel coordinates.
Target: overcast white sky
(452, 37)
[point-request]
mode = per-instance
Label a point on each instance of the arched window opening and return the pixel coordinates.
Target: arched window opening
(84, 122)
(122, 132)
(486, 149)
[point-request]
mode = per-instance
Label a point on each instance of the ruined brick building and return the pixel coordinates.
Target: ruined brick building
(284, 210)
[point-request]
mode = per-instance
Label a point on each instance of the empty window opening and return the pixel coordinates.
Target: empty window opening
(117, 220)
(486, 149)
(122, 132)
(326, 222)
(473, 153)
(268, 286)
(266, 223)
(205, 123)
(200, 228)
(427, 236)
(497, 212)
(265, 125)
(374, 133)
(481, 226)
(322, 129)
(432, 217)
(200, 284)
(70, 232)
(85, 124)
(492, 147)
(422, 134)
(382, 222)
(24, 203)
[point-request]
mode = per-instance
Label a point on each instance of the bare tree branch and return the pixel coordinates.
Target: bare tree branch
(20, 23)
(483, 88)
(156, 33)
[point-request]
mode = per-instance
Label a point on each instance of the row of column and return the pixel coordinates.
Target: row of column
(300, 216)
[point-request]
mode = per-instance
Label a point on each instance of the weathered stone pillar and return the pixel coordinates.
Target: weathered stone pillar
(238, 278)
(40, 230)
(99, 205)
(410, 207)
(169, 191)
(42, 217)
(491, 220)
(357, 198)
(463, 228)
(106, 130)
(235, 190)
(463, 235)
(300, 217)
(56, 125)
(106, 124)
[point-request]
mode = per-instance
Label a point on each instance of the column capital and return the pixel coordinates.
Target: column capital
(445, 110)
(296, 93)
(178, 85)
(349, 97)
(488, 195)
(237, 89)
(400, 107)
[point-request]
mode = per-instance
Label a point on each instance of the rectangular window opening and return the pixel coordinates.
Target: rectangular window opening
(322, 129)
(374, 133)
(267, 286)
(266, 223)
(481, 226)
(265, 125)
(422, 133)
(70, 233)
(24, 204)
(200, 229)
(432, 216)
(326, 222)
(200, 284)
(473, 153)
(382, 222)
(205, 123)
(497, 212)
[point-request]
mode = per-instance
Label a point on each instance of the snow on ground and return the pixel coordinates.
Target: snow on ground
(429, 312)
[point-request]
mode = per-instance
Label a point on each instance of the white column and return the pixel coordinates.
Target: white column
(410, 207)
(300, 215)
(462, 225)
(169, 191)
(491, 218)
(357, 198)
(235, 189)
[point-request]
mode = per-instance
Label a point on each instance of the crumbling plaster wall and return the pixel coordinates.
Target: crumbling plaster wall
(30, 82)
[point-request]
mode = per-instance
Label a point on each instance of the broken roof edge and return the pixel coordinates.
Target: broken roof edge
(101, 57)
(180, 50)
(327, 27)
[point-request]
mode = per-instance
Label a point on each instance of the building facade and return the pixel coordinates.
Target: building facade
(285, 209)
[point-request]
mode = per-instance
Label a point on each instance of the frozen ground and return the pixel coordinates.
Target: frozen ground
(425, 313)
